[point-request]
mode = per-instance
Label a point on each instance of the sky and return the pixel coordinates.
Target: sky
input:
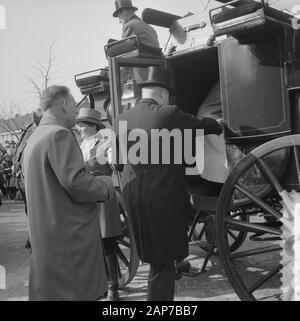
(79, 30)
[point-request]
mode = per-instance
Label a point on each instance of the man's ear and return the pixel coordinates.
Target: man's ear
(165, 94)
(64, 106)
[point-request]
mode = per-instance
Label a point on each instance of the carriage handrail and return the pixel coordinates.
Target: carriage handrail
(220, 7)
(133, 37)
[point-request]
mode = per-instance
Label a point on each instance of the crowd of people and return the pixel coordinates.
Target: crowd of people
(73, 214)
(9, 181)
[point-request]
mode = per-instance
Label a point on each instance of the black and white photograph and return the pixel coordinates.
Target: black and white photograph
(149, 151)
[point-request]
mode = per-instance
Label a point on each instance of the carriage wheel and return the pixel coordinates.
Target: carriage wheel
(203, 232)
(126, 249)
(259, 270)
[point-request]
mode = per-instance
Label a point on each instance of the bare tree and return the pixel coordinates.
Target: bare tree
(44, 69)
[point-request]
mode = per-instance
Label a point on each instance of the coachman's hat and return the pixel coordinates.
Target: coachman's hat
(158, 76)
(121, 4)
(89, 115)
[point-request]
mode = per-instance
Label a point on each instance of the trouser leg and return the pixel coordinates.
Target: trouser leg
(111, 261)
(161, 282)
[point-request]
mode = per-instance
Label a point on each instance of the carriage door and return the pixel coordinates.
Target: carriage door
(126, 70)
(253, 87)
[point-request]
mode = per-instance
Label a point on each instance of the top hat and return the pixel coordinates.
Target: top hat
(121, 4)
(157, 76)
(89, 115)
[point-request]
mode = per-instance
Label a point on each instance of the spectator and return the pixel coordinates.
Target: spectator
(67, 261)
(7, 171)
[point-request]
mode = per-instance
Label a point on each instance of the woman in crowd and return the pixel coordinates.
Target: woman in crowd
(2, 181)
(7, 171)
(94, 148)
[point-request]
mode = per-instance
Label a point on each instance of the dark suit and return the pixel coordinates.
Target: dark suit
(157, 198)
(145, 33)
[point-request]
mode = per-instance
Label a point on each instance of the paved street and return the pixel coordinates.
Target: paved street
(212, 285)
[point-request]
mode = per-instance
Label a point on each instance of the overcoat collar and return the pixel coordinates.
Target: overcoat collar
(133, 17)
(147, 101)
(51, 120)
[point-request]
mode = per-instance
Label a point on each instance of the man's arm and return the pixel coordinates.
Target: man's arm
(186, 121)
(128, 30)
(68, 165)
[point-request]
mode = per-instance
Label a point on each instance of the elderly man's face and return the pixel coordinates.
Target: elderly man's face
(124, 15)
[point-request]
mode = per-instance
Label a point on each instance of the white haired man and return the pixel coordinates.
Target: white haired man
(67, 261)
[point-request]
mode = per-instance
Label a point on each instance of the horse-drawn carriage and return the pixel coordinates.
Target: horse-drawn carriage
(253, 52)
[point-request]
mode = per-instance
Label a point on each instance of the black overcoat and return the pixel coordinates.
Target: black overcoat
(145, 33)
(156, 197)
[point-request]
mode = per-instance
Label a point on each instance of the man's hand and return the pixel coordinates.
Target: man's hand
(211, 40)
(109, 156)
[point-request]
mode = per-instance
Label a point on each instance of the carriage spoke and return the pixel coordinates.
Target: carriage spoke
(267, 277)
(202, 232)
(196, 219)
(295, 150)
(262, 250)
(242, 226)
(259, 202)
(122, 256)
(122, 242)
(270, 175)
(232, 235)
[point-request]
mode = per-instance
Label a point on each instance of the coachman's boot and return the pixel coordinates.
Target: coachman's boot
(112, 277)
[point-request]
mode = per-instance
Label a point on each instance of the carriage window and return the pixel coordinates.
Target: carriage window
(130, 78)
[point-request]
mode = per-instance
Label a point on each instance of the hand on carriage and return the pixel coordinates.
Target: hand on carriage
(110, 159)
(215, 126)
(225, 128)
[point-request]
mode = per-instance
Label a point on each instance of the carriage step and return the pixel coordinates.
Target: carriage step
(192, 273)
(184, 268)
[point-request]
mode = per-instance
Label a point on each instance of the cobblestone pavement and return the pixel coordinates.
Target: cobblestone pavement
(212, 285)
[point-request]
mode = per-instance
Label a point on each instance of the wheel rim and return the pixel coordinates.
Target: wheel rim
(126, 249)
(258, 278)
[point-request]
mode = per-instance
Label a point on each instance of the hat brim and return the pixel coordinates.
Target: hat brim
(157, 84)
(90, 120)
(115, 14)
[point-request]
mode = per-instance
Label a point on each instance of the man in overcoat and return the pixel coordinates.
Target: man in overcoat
(156, 198)
(67, 260)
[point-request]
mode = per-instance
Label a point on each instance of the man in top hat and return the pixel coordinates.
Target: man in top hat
(133, 25)
(156, 197)
(94, 147)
